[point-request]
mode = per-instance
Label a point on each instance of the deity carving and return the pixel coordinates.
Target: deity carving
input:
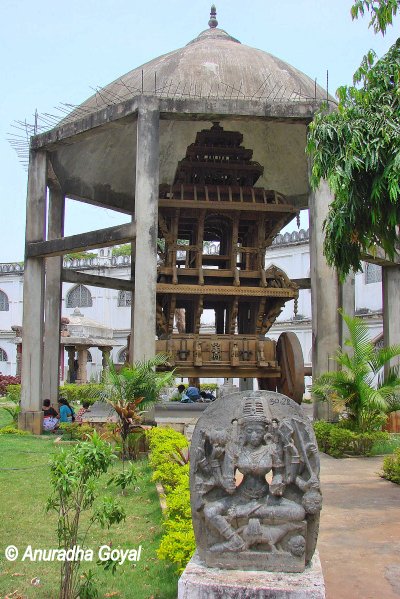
(255, 484)
(216, 354)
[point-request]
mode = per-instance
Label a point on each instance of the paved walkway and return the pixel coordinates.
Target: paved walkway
(359, 540)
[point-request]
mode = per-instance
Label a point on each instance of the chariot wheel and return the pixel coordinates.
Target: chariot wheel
(291, 362)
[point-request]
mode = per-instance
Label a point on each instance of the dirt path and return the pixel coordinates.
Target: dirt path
(359, 541)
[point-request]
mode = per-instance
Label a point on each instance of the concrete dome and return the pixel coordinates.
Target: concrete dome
(213, 65)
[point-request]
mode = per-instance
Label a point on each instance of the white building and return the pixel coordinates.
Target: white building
(290, 252)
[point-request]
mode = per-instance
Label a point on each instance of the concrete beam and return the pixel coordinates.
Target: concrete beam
(379, 257)
(228, 206)
(303, 283)
(208, 109)
(83, 241)
(83, 278)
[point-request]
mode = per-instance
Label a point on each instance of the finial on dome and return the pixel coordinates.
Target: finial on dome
(213, 23)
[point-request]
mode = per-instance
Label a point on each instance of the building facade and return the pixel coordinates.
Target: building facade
(112, 308)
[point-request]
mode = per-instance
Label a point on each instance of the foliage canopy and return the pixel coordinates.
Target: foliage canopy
(357, 150)
(382, 12)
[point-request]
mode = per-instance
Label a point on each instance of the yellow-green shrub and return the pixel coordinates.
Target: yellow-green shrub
(177, 544)
(12, 430)
(391, 467)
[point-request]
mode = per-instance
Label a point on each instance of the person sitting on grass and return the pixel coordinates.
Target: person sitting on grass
(85, 408)
(67, 414)
(207, 396)
(50, 416)
(189, 395)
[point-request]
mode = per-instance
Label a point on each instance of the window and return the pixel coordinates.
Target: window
(79, 297)
(89, 356)
(3, 356)
(122, 356)
(373, 273)
(124, 298)
(4, 306)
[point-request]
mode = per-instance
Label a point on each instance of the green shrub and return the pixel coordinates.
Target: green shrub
(76, 431)
(341, 441)
(12, 430)
(391, 467)
(337, 440)
(90, 392)
(322, 432)
(14, 393)
(364, 442)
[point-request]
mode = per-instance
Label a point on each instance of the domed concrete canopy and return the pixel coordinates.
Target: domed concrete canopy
(213, 78)
(214, 64)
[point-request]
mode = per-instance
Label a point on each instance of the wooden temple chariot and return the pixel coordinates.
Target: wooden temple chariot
(214, 201)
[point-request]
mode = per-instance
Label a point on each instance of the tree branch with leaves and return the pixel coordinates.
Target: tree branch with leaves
(357, 150)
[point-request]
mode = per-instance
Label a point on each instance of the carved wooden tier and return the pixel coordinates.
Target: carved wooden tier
(213, 205)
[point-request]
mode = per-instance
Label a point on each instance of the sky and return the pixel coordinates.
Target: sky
(56, 52)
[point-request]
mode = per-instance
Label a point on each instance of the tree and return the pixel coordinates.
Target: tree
(357, 150)
(74, 475)
(382, 12)
(352, 388)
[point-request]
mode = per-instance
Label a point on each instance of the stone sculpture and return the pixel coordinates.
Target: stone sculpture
(255, 489)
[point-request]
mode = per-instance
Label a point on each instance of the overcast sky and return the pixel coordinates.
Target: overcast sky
(54, 52)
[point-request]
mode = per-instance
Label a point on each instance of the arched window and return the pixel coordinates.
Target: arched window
(89, 356)
(3, 356)
(4, 306)
(79, 297)
(124, 298)
(373, 273)
(122, 355)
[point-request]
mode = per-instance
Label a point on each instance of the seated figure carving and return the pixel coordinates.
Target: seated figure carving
(256, 487)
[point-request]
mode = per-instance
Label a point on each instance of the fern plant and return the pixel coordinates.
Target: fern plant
(360, 388)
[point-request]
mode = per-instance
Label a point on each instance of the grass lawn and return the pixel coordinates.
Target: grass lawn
(24, 489)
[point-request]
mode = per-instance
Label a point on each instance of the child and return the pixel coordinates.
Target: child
(85, 408)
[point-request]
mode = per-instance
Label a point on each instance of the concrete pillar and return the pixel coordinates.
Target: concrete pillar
(129, 352)
(324, 295)
(19, 359)
(70, 349)
(31, 416)
(146, 216)
(347, 301)
(105, 357)
(81, 378)
(391, 308)
(52, 309)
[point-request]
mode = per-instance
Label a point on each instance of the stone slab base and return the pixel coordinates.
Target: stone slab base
(31, 421)
(200, 582)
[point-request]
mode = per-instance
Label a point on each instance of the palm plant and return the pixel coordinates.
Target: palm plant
(360, 387)
(132, 390)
